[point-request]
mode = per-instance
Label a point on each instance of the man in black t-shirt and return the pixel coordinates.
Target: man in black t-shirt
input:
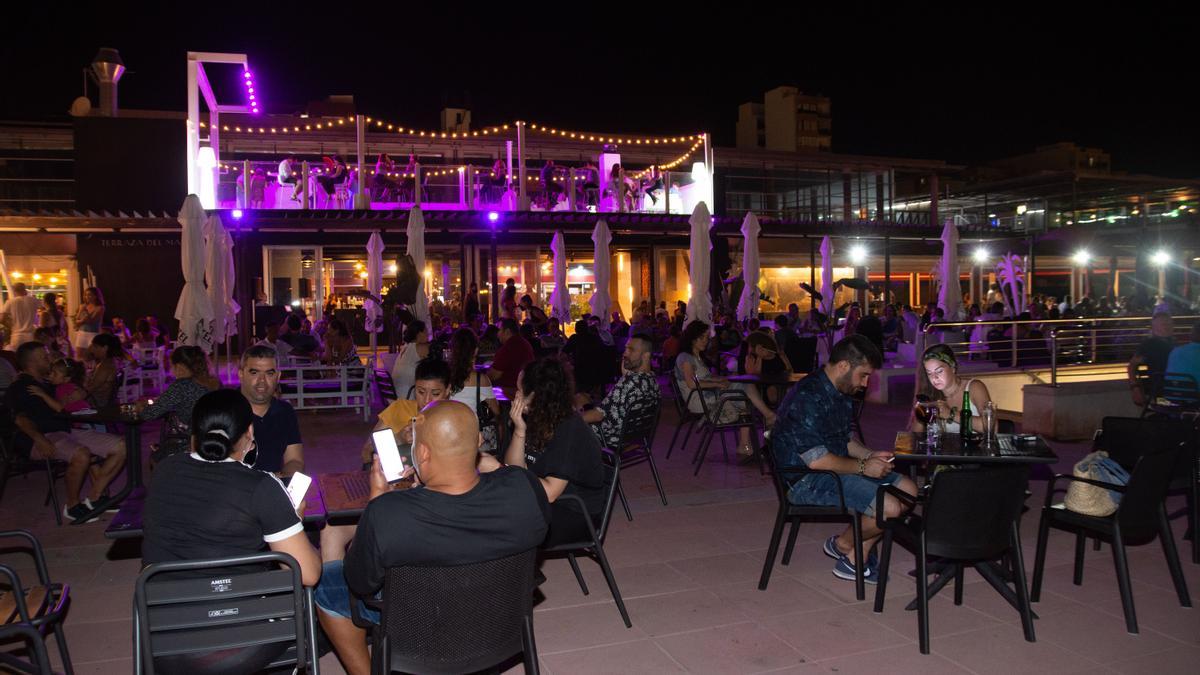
(44, 431)
(456, 517)
(276, 429)
(302, 344)
(1153, 352)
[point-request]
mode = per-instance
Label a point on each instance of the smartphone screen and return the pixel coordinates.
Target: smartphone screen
(389, 454)
(297, 488)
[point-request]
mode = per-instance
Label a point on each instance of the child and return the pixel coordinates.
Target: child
(67, 377)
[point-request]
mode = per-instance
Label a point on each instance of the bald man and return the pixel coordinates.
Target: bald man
(454, 516)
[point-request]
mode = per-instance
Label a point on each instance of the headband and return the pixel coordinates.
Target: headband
(948, 359)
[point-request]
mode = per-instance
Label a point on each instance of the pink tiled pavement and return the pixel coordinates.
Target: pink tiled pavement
(689, 573)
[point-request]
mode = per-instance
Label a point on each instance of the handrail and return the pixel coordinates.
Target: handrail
(1094, 330)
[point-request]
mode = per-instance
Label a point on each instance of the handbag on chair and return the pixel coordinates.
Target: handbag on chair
(1093, 500)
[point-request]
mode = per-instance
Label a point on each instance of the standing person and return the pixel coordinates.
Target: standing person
(514, 354)
(939, 381)
(210, 504)
(21, 311)
(471, 307)
(42, 433)
(189, 366)
(508, 300)
(550, 439)
(50, 317)
(277, 431)
(416, 348)
(814, 431)
(88, 319)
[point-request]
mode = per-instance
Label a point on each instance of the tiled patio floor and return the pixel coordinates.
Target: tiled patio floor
(689, 573)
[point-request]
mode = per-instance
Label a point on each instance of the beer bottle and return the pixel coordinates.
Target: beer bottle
(964, 416)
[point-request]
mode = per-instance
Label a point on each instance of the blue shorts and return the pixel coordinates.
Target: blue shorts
(333, 596)
(819, 489)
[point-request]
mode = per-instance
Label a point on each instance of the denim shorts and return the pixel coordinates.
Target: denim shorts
(333, 596)
(819, 489)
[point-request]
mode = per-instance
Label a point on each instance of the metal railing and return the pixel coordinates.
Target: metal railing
(1049, 343)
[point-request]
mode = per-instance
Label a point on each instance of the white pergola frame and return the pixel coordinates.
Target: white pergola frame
(197, 84)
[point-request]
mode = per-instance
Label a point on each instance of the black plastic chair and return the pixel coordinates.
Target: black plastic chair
(16, 464)
(1149, 382)
(594, 545)
(637, 447)
(686, 417)
(454, 619)
(710, 424)
(784, 477)
(37, 610)
(1176, 392)
(1140, 517)
(970, 518)
(221, 609)
(1124, 439)
(385, 386)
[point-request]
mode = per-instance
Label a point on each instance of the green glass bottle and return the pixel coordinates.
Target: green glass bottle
(964, 417)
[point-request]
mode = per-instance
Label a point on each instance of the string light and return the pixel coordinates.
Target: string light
(620, 140)
(675, 162)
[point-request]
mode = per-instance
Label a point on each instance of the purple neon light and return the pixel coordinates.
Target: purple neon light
(493, 216)
(237, 214)
(249, 82)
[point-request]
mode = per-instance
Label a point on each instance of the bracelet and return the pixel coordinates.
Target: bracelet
(862, 466)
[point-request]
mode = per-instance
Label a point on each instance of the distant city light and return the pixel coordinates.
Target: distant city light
(1081, 257)
(980, 255)
(1161, 258)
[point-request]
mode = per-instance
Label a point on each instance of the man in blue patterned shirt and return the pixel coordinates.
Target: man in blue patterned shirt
(813, 430)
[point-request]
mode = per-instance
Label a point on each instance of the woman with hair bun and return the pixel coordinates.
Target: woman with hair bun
(209, 503)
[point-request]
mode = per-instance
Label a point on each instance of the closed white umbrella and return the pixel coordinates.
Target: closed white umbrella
(416, 249)
(560, 299)
(232, 308)
(215, 277)
(194, 311)
(748, 305)
(826, 276)
(950, 294)
(375, 287)
(699, 306)
(601, 302)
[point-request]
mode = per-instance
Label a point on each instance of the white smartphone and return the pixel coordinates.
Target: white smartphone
(389, 454)
(297, 488)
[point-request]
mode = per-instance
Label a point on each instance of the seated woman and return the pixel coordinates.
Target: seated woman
(550, 439)
(938, 381)
(690, 367)
(471, 387)
(101, 383)
(189, 366)
(339, 346)
(209, 504)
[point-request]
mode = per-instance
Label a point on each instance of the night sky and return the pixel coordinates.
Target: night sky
(977, 87)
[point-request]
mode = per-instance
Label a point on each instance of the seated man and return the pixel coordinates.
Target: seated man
(43, 433)
(637, 388)
(302, 344)
(280, 449)
(432, 384)
(271, 339)
(457, 516)
(813, 429)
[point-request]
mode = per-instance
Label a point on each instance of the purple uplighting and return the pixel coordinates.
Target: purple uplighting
(237, 214)
(493, 216)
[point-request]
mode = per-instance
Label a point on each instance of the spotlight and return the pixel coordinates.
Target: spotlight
(237, 214)
(1081, 257)
(858, 255)
(493, 216)
(1161, 258)
(980, 256)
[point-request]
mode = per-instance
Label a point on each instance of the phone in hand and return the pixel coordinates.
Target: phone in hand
(389, 454)
(297, 488)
